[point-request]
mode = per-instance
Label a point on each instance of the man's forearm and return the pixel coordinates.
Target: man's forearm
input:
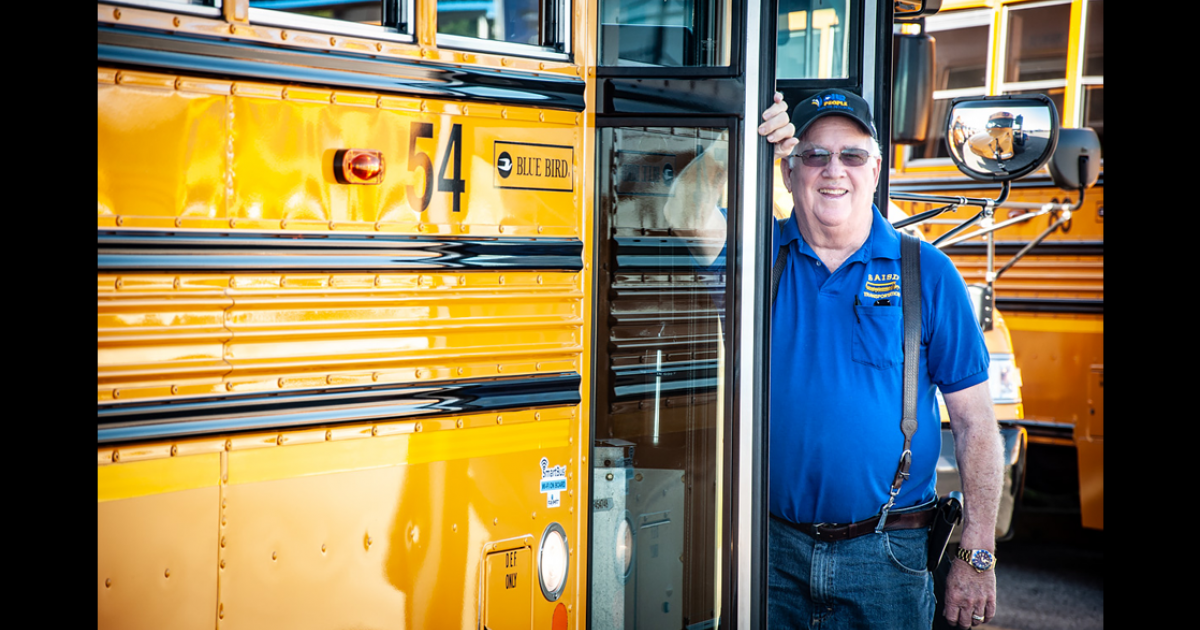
(980, 453)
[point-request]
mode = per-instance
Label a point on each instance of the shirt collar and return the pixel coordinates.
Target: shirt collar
(882, 242)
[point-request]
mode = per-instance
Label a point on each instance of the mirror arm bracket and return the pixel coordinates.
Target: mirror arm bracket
(1066, 216)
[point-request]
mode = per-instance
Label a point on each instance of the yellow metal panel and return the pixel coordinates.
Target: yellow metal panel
(508, 589)
(159, 152)
(156, 559)
(258, 465)
(126, 480)
(1055, 367)
(395, 540)
(173, 153)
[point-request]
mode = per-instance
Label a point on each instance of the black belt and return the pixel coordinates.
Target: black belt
(832, 532)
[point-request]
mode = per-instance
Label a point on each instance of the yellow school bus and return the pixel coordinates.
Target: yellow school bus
(1052, 298)
(392, 331)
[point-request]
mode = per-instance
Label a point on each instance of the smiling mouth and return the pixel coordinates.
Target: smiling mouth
(832, 192)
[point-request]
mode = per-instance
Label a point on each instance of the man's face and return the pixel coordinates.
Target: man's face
(834, 195)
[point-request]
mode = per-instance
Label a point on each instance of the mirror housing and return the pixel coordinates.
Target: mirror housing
(913, 9)
(1001, 138)
(912, 93)
(1076, 161)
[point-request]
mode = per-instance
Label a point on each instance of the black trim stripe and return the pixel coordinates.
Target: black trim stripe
(1050, 305)
(214, 57)
(1045, 248)
(151, 250)
(123, 422)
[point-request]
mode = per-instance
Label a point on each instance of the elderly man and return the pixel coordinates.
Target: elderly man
(836, 382)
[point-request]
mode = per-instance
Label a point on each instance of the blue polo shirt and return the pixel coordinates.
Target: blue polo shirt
(836, 376)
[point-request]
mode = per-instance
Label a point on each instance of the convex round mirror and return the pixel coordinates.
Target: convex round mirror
(1001, 138)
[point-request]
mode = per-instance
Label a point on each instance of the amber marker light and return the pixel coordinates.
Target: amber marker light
(358, 166)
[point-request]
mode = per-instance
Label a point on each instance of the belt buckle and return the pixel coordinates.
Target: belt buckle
(819, 535)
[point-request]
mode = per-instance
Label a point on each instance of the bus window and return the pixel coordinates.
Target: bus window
(812, 39)
(670, 33)
(961, 70)
(514, 21)
(202, 7)
(1036, 44)
(519, 27)
(364, 18)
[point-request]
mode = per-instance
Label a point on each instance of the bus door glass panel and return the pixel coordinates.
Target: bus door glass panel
(671, 33)
(961, 70)
(812, 42)
(659, 425)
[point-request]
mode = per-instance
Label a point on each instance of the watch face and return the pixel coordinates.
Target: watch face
(982, 559)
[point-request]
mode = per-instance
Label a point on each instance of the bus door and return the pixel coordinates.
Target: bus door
(677, 522)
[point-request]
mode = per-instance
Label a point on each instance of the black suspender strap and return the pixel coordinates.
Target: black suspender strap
(777, 271)
(910, 287)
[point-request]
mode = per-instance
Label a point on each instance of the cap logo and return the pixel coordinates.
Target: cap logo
(837, 101)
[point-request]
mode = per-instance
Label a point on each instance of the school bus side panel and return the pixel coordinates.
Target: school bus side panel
(396, 522)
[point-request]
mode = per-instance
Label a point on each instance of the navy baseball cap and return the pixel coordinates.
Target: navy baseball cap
(829, 102)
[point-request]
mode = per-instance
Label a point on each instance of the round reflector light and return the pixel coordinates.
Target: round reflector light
(624, 548)
(553, 561)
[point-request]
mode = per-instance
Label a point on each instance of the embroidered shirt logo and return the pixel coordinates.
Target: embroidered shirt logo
(882, 285)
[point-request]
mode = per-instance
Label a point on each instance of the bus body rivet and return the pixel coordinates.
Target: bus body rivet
(167, 572)
(283, 34)
(222, 563)
(174, 450)
(274, 555)
(322, 548)
(116, 456)
(459, 423)
(107, 582)
(175, 21)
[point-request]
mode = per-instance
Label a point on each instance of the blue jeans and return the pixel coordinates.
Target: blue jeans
(874, 581)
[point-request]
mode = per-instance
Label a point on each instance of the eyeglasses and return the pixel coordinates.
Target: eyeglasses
(818, 157)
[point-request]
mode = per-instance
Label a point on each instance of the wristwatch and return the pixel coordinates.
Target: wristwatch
(980, 559)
